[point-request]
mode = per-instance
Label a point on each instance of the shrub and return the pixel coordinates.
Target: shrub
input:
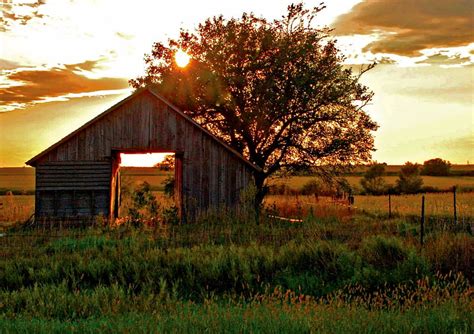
(409, 181)
(382, 252)
(436, 167)
(448, 253)
(373, 182)
(311, 188)
(169, 186)
(144, 203)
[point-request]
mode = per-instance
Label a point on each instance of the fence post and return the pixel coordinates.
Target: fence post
(422, 221)
(454, 204)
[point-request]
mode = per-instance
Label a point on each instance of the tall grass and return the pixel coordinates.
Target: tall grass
(335, 271)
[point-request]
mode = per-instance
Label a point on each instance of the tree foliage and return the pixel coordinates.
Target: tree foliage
(373, 181)
(167, 164)
(409, 179)
(144, 203)
(436, 167)
(275, 91)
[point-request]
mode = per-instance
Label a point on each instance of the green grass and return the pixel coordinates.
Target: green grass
(146, 281)
(336, 271)
(447, 317)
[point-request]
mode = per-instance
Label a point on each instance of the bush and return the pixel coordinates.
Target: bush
(144, 204)
(382, 252)
(311, 188)
(409, 181)
(436, 167)
(373, 182)
(449, 253)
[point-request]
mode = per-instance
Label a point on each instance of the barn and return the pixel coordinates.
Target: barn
(78, 177)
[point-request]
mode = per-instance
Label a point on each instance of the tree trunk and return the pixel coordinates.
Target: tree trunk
(260, 193)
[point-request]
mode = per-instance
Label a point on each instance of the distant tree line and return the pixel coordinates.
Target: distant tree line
(409, 178)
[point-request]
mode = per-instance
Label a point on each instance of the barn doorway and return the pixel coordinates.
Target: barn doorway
(146, 185)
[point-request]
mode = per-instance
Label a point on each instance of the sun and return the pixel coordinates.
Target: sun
(181, 58)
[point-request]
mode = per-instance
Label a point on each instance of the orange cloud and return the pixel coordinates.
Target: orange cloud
(406, 27)
(33, 85)
(9, 13)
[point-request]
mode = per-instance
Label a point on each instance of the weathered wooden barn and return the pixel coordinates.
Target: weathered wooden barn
(78, 176)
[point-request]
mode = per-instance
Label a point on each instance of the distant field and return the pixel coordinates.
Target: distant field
(395, 169)
(441, 182)
(17, 178)
(23, 178)
(134, 176)
(440, 204)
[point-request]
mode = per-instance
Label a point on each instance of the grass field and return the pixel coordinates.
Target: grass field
(440, 182)
(17, 178)
(393, 169)
(223, 274)
(336, 269)
(23, 179)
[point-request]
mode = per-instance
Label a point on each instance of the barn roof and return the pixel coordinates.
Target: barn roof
(33, 160)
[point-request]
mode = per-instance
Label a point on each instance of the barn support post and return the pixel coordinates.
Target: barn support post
(178, 186)
(114, 186)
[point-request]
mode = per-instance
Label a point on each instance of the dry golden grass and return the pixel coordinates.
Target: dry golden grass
(440, 204)
(301, 206)
(15, 208)
(440, 182)
(17, 178)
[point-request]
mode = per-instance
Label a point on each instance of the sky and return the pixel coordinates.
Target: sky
(62, 62)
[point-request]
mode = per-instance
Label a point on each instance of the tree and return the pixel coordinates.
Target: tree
(277, 92)
(167, 164)
(409, 179)
(373, 182)
(436, 167)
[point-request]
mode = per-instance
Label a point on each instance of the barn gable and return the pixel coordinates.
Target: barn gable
(81, 170)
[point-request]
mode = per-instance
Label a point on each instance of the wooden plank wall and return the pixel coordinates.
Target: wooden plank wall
(212, 175)
(73, 188)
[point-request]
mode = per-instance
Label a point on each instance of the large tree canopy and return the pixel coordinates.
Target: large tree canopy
(277, 92)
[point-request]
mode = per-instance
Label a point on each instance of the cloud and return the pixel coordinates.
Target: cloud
(458, 147)
(39, 85)
(441, 59)
(8, 64)
(21, 12)
(405, 27)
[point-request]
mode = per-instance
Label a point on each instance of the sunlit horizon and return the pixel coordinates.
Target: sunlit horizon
(142, 159)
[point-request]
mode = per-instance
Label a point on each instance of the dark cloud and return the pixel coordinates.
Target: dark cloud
(8, 64)
(9, 15)
(440, 59)
(87, 65)
(38, 85)
(461, 145)
(385, 61)
(408, 26)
